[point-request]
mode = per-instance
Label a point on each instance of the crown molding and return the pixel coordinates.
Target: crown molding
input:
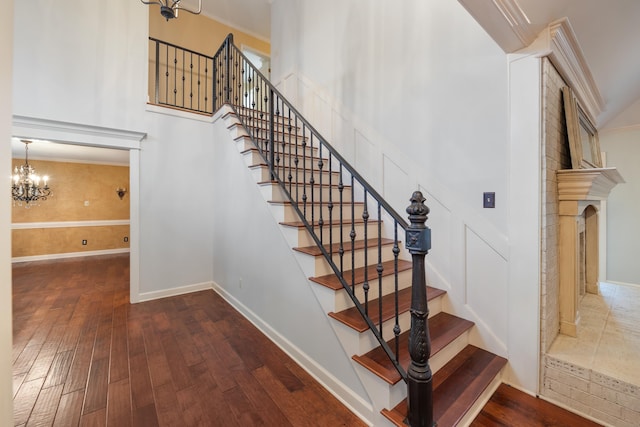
(567, 56)
(504, 21)
(559, 43)
(75, 133)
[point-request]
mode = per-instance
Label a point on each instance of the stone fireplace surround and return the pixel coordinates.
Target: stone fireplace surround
(580, 192)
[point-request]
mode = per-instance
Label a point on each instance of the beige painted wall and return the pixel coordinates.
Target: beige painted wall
(80, 193)
(188, 82)
(200, 33)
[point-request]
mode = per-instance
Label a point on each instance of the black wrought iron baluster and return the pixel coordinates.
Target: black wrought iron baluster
(304, 171)
(321, 201)
(157, 73)
(183, 78)
(245, 102)
(379, 266)
(271, 133)
(292, 140)
(175, 76)
(198, 74)
(312, 181)
(190, 80)
(206, 86)
(365, 285)
(227, 71)
(352, 236)
(330, 207)
(278, 158)
(396, 253)
(341, 195)
(237, 80)
(166, 77)
(419, 377)
(297, 168)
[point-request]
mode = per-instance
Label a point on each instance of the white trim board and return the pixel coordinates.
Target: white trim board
(68, 224)
(48, 257)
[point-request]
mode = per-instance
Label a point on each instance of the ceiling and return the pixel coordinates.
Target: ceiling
(608, 33)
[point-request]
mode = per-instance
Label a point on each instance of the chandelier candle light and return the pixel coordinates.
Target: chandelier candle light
(26, 183)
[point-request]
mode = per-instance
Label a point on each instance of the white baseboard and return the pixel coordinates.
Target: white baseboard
(180, 290)
(355, 403)
(47, 257)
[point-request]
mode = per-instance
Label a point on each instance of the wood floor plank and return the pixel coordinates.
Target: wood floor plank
(69, 409)
(44, 410)
(119, 406)
(96, 395)
(511, 407)
(181, 361)
(26, 399)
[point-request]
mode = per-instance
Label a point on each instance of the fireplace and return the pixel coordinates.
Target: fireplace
(580, 193)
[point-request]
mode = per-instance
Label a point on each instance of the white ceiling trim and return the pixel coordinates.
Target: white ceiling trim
(504, 21)
(559, 43)
(73, 133)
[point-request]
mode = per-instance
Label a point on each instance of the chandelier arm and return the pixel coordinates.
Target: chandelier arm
(159, 3)
(197, 12)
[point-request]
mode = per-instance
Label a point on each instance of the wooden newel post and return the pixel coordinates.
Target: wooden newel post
(419, 381)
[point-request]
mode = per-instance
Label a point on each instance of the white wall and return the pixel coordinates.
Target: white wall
(176, 204)
(622, 148)
(86, 63)
(416, 95)
(82, 62)
(6, 52)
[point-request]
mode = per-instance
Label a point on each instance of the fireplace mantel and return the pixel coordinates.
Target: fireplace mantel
(580, 192)
(587, 184)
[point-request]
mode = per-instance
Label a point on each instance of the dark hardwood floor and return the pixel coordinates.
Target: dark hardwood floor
(509, 407)
(82, 355)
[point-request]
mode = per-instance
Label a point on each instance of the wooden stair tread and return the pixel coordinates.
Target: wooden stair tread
(300, 155)
(264, 165)
(308, 184)
(300, 224)
(331, 280)
(315, 203)
(456, 386)
(352, 318)
(334, 248)
(443, 329)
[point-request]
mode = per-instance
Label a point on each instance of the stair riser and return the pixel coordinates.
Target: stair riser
(322, 266)
(343, 301)
(287, 162)
(316, 194)
(260, 118)
(366, 341)
(303, 238)
(316, 210)
(244, 142)
(298, 176)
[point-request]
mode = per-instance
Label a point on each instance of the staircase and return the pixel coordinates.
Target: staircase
(347, 240)
(464, 377)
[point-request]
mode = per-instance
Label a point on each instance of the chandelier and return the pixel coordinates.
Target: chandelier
(26, 183)
(169, 8)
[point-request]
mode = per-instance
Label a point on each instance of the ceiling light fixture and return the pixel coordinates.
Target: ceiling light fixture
(169, 8)
(26, 183)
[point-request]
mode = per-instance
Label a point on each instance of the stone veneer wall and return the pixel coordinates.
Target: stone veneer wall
(555, 156)
(606, 399)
